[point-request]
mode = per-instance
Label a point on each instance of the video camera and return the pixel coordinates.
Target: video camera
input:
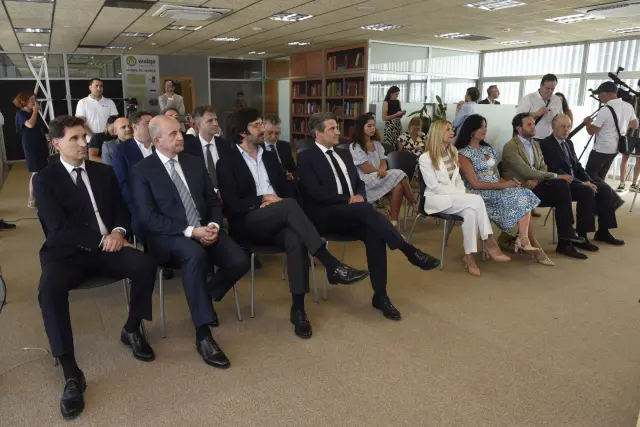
(625, 92)
(132, 105)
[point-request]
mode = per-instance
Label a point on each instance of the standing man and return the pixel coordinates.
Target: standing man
(466, 108)
(170, 99)
(543, 105)
(335, 201)
(282, 149)
(95, 109)
(493, 94)
(613, 121)
(240, 101)
(123, 132)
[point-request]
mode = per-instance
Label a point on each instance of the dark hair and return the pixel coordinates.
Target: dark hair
(392, 89)
(490, 88)
(474, 94)
(201, 110)
(565, 104)
(272, 119)
(518, 121)
(58, 125)
(238, 123)
(136, 117)
(471, 124)
(549, 78)
(240, 93)
(358, 132)
(316, 122)
(112, 119)
(95, 79)
(164, 111)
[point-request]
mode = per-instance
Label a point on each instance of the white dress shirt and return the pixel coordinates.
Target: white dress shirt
(259, 172)
(96, 112)
(165, 161)
(146, 152)
(533, 102)
(343, 167)
(607, 137)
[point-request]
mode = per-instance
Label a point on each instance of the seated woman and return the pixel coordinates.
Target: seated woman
(368, 155)
(507, 203)
(445, 193)
(413, 140)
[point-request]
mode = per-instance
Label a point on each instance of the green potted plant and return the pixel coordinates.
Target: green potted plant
(441, 110)
(424, 116)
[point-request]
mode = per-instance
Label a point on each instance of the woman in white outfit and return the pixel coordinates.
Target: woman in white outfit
(445, 193)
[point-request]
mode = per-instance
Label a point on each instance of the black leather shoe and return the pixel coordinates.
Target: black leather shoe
(605, 236)
(256, 263)
(72, 400)
(423, 260)
(571, 236)
(587, 245)
(384, 305)
(167, 273)
(301, 323)
(138, 343)
(212, 354)
(346, 275)
(215, 322)
(571, 251)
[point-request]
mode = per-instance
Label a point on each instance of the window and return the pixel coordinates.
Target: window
(592, 103)
(570, 88)
(391, 57)
(454, 62)
(509, 91)
(536, 61)
(88, 66)
(235, 69)
(607, 57)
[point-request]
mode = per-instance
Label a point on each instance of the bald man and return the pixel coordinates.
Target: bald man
(181, 216)
(593, 197)
(124, 133)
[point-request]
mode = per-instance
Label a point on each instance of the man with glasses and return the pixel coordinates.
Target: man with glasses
(282, 149)
(543, 105)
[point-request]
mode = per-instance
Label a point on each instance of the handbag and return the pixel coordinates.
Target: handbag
(623, 142)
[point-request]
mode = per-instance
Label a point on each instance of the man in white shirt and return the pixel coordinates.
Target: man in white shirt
(543, 105)
(605, 149)
(95, 109)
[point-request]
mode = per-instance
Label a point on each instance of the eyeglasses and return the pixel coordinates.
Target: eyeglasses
(257, 125)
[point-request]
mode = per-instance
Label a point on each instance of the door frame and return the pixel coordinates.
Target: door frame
(193, 88)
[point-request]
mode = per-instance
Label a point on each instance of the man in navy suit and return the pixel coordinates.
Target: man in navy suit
(335, 200)
(282, 149)
(259, 204)
(181, 217)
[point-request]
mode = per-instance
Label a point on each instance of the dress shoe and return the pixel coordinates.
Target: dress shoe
(587, 245)
(215, 322)
(72, 400)
(167, 273)
(423, 260)
(212, 354)
(605, 236)
(571, 236)
(570, 251)
(301, 323)
(346, 275)
(138, 343)
(384, 305)
(6, 226)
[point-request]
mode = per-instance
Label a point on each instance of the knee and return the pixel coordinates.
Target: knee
(51, 286)
(240, 263)
(195, 256)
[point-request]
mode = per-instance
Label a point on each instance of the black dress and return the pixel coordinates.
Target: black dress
(34, 141)
(392, 128)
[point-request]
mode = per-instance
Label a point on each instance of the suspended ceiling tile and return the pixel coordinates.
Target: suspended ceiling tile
(71, 21)
(33, 38)
(109, 24)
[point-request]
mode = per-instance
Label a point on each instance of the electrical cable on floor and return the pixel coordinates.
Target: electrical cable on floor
(21, 219)
(26, 361)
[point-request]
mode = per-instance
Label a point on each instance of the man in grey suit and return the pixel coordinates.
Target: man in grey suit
(124, 132)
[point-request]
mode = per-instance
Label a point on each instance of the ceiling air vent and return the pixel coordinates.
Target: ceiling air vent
(473, 38)
(621, 9)
(188, 13)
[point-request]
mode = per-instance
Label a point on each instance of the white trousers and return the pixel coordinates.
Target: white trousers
(471, 208)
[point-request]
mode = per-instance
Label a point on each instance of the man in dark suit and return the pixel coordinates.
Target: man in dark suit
(259, 204)
(85, 221)
(492, 96)
(282, 149)
(335, 201)
(594, 197)
(123, 129)
(181, 216)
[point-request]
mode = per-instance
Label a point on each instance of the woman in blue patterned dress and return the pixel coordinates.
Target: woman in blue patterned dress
(507, 203)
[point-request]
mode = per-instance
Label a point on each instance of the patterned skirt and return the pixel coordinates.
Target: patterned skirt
(392, 131)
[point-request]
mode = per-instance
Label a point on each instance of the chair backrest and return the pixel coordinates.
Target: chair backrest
(403, 160)
(423, 188)
(303, 144)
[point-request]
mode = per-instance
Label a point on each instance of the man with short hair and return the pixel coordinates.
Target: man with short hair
(85, 222)
(492, 96)
(335, 200)
(170, 99)
(466, 108)
(543, 105)
(240, 101)
(98, 139)
(282, 149)
(123, 133)
(95, 109)
(605, 149)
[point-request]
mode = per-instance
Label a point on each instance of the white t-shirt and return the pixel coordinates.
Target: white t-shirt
(97, 112)
(532, 103)
(607, 137)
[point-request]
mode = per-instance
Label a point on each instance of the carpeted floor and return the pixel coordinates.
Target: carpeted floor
(524, 345)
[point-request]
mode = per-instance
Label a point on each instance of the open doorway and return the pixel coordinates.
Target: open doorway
(185, 87)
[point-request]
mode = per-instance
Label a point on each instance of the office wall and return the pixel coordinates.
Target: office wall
(284, 108)
(187, 66)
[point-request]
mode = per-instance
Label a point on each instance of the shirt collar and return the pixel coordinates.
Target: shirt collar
(247, 156)
(69, 167)
(205, 143)
(164, 159)
(141, 145)
(560, 141)
(323, 148)
(268, 143)
(524, 141)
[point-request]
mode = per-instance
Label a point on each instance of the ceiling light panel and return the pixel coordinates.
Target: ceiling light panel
(290, 17)
(253, 52)
(381, 27)
(35, 44)
(299, 43)
(135, 34)
(36, 1)
(32, 30)
(453, 35)
(118, 47)
(491, 5)
(574, 19)
(514, 42)
(626, 30)
(183, 27)
(225, 39)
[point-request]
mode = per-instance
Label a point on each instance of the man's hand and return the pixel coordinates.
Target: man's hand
(541, 112)
(210, 240)
(530, 184)
(356, 199)
(36, 107)
(567, 178)
(113, 242)
(591, 185)
(270, 198)
(587, 121)
(200, 233)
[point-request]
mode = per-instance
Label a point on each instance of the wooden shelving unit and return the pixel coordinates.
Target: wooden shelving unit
(306, 99)
(345, 97)
(348, 58)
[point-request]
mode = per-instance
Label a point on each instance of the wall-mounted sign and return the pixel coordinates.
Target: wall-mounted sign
(142, 81)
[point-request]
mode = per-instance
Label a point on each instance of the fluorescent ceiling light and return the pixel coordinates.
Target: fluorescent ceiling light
(253, 52)
(225, 39)
(452, 35)
(514, 42)
(491, 5)
(290, 17)
(37, 1)
(135, 34)
(381, 27)
(572, 19)
(299, 43)
(118, 47)
(35, 44)
(626, 30)
(32, 30)
(183, 27)
(81, 57)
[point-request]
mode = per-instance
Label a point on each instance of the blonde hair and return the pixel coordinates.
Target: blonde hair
(435, 146)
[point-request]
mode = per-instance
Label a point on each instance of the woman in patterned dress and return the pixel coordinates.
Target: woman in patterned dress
(368, 155)
(507, 203)
(414, 139)
(391, 114)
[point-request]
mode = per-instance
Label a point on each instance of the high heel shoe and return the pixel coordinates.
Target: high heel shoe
(31, 204)
(526, 247)
(545, 259)
(473, 270)
(497, 258)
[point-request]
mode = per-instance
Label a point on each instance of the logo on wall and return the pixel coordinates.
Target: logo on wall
(131, 61)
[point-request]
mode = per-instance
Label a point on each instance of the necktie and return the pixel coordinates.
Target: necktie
(86, 199)
(187, 201)
(273, 149)
(211, 166)
(563, 144)
(341, 177)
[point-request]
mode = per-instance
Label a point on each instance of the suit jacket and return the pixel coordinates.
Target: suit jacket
(558, 162)
(193, 146)
(177, 102)
(486, 101)
(438, 186)
(125, 156)
(158, 204)
(515, 162)
(63, 214)
(238, 188)
(107, 151)
(284, 152)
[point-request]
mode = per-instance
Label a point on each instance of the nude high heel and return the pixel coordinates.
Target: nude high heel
(542, 258)
(474, 271)
(525, 247)
(501, 257)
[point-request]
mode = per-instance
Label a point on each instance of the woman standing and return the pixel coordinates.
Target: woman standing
(368, 155)
(32, 130)
(507, 203)
(391, 114)
(565, 106)
(413, 140)
(445, 192)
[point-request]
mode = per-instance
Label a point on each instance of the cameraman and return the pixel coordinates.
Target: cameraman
(605, 149)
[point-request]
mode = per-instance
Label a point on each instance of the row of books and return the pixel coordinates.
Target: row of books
(335, 88)
(299, 90)
(353, 109)
(300, 109)
(314, 89)
(345, 61)
(300, 125)
(355, 88)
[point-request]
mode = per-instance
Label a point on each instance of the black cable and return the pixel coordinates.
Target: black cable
(21, 219)
(3, 292)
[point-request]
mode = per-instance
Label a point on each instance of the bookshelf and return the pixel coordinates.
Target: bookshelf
(306, 99)
(345, 97)
(348, 58)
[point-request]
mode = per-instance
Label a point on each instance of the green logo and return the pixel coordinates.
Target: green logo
(131, 61)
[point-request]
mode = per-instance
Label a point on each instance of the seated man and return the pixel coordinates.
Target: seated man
(334, 199)
(523, 160)
(181, 216)
(259, 205)
(282, 149)
(85, 221)
(123, 130)
(594, 197)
